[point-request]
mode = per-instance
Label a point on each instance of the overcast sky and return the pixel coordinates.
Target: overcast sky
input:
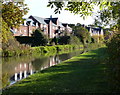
(39, 8)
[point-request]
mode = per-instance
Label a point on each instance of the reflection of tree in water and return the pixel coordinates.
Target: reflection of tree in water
(40, 62)
(69, 55)
(5, 80)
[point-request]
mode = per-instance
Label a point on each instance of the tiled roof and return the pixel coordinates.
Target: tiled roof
(54, 20)
(27, 19)
(60, 24)
(54, 24)
(39, 19)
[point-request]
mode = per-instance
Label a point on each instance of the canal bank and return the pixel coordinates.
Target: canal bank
(18, 68)
(85, 73)
(40, 49)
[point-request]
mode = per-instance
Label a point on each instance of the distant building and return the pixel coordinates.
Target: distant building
(95, 31)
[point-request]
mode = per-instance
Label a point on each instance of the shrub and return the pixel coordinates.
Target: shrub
(63, 40)
(39, 38)
(74, 40)
(114, 60)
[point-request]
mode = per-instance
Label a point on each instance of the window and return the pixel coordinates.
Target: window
(20, 31)
(53, 27)
(25, 31)
(41, 26)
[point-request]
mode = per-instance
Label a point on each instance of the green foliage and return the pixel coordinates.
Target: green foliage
(114, 61)
(110, 15)
(107, 34)
(56, 48)
(5, 80)
(82, 8)
(93, 46)
(114, 48)
(82, 33)
(12, 13)
(108, 11)
(63, 40)
(39, 38)
(85, 73)
(74, 40)
(10, 47)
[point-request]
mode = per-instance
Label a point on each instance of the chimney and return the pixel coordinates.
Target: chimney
(50, 16)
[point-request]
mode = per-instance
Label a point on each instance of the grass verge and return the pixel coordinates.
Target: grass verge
(86, 73)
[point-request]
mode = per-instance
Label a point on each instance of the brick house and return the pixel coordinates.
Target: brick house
(49, 26)
(42, 24)
(25, 29)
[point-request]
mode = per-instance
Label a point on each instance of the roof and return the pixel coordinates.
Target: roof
(97, 29)
(40, 20)
(27, 19)
(54, 20)
(64, 24)
(54, 24)
(60, 24)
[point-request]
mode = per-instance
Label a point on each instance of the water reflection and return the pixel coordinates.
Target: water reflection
(22, 71)
(15, 69)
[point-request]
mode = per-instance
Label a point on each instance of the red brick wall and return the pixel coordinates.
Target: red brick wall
(22, 30)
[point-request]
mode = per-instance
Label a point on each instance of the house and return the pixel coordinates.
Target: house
(41, 23)
(25, 29)
(51, 27)
(96, 31)
(67, 27)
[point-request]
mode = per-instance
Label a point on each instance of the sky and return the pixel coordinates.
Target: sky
(39, 8)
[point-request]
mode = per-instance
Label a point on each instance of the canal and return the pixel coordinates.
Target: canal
(18, 68)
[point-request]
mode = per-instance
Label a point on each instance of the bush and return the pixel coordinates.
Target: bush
(54, 49)
(114, 61)
(39, 38)
(64, 40)
(74, 40)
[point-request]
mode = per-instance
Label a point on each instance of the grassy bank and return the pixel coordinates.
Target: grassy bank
(56, 48)
(86, 73)
(41, 50)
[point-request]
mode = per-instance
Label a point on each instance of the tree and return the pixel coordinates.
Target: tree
(39, 38)
(110, 16)
(7, 38)
(108, 11)
(13, 12)
(82, 33)
(81, 8)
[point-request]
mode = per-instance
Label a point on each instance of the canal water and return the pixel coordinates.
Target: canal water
(18, 68)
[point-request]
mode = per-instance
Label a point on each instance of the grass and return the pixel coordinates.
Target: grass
(86, 73)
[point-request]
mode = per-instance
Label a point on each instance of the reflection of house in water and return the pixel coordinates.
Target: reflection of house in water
(53, 60)
(22, 71)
